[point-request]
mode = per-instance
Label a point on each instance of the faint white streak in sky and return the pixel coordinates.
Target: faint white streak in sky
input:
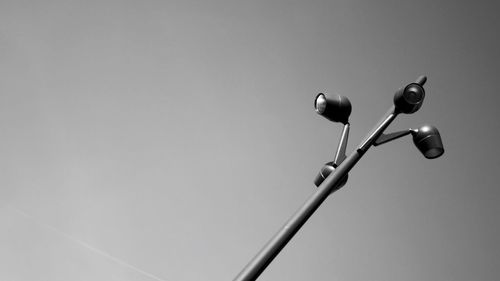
(86, 245)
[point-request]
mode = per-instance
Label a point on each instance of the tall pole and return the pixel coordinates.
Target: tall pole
(266, 255)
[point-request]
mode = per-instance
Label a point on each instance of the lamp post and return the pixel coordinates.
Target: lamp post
(334, 174)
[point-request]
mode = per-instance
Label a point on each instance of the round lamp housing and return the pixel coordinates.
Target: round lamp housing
(335, 108)
(325, 171)
(410, 98)
(428, 140)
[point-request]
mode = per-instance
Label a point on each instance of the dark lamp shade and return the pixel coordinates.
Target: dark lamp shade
(409, 99)
(335, 108)
(325, 171)
(428, 140)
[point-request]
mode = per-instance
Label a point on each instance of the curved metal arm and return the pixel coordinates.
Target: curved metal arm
(340, 154)
(383, 138)
(378, 130)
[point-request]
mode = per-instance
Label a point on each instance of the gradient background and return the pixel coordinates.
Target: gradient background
(144, 140)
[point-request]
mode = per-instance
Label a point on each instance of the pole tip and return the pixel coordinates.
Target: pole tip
(421, 80)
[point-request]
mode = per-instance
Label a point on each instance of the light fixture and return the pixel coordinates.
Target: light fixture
(333, 175)
(428, 141)
(335, 108)
(410, 98)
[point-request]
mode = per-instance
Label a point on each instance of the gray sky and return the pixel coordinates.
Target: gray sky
(169, 140)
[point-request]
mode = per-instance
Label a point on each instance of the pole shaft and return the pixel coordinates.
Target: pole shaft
(259, 263)
(266, 255)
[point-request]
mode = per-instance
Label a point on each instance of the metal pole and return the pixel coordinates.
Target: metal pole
(266, 255)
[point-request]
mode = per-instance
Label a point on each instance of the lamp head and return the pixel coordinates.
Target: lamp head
(335, 108)
(325, 171)
(410, 98)
(428, 141)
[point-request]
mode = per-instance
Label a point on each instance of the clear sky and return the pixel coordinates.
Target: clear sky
(169, 140)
